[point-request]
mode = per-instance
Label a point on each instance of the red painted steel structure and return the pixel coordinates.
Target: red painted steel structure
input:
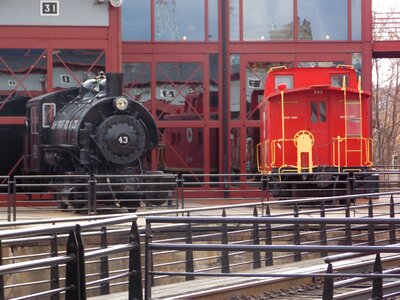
(53, 38)
(156, 53)
(49, 40)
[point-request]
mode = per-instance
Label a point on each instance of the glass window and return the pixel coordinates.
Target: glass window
(322, 20)
(179, 20)
(321, 64)
(284, 79)
(71, 67)
(314, 112)
(136, 20)
(267, 20)
(23, 75)
(356, 59)
(235, 150)
(235, 87)
(256, 73)
(318, 112)
(137, 82)
(214, 86)
(356, 20)
(234, 20)
(179, 91)
(213, 20)
(337, 80)
(48, 111)
(322, 112)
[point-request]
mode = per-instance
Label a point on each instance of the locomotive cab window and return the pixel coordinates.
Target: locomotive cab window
(49, 111)
(337, 80)
(318, 112)
(284, 79)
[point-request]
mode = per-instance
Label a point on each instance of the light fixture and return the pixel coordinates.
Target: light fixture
(116, 3)
(120, 103)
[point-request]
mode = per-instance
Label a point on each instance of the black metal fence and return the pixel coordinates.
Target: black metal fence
(70, 261)
(120, 194)
(231, 245)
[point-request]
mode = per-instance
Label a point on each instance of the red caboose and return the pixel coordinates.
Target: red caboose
(314, 120)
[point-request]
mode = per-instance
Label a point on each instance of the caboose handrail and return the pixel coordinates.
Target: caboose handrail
(364, 151)
(277, 68)
(342, 66)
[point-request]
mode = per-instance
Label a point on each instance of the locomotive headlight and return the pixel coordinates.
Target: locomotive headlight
(121, 103)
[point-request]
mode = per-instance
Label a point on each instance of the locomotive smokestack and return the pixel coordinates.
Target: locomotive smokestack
(114, 84)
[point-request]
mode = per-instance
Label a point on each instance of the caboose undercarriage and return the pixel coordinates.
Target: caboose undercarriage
(322, 182)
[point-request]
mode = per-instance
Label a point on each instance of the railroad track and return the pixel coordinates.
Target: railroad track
(302, 287)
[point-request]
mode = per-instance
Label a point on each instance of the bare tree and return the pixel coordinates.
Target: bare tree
(386, 108)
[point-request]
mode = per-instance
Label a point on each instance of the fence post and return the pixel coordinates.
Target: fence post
(377, 283)
(9, 189)
(13, 186)
(269, 259)
(224, 240)
(392, 227)
(296, 234)
(148, 268)
(189, 253)
(92, 194)
(348, 238)
(256, 241)
(75, 270)
(1, 276)
(328, 284)
(371, 233)
(179, 193)
(322, 232)
(104, 270)
(350, 184)
(135, 270)
(54, 271)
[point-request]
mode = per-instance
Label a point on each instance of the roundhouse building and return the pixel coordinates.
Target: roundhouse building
(198, 65)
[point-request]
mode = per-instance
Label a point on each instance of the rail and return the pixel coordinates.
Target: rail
(86, 268)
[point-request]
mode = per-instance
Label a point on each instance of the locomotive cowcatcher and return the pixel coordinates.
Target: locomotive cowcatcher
(91, 130)
(314, 121)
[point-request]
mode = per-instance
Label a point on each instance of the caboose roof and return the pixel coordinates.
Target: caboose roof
(294, 91)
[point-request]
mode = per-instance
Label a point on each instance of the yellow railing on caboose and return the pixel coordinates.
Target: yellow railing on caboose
(341, 145)
(303, 141)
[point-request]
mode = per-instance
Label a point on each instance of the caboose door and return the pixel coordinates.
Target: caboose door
(318, 125)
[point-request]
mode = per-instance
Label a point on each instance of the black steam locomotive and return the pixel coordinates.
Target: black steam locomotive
(90, 130)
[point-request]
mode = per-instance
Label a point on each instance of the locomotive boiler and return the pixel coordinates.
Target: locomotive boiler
(90, 130)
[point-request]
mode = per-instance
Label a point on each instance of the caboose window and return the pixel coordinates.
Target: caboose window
(314, 112)
(337, 80)
(284, 79)
(322, 111)
(318, 112)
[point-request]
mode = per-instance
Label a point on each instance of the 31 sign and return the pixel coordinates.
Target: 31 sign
(49, 8)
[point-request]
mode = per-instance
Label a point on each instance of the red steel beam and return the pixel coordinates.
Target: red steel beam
(12, 120)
